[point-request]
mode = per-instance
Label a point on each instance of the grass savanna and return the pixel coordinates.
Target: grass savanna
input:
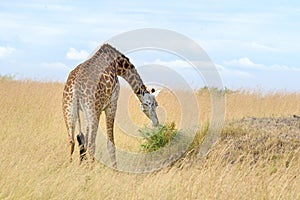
(257, 156)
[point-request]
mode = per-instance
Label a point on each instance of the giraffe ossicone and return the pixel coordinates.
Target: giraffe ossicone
(93, 87)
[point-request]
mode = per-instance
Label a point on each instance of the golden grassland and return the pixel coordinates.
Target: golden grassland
(256, 157)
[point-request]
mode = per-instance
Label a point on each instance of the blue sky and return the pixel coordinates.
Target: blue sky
(254, 44)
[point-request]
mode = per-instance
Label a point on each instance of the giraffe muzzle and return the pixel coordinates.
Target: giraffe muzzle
(154, 119)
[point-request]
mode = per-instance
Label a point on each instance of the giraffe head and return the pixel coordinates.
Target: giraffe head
(148, 106)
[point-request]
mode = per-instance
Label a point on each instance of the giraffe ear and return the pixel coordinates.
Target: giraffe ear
(152, 90)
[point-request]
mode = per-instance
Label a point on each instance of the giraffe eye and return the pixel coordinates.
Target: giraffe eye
(144, 107)
(146, 104)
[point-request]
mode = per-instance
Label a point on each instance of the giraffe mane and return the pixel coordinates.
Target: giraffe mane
(107, 46)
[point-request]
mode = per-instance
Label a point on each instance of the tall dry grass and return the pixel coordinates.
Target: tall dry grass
(34, 154)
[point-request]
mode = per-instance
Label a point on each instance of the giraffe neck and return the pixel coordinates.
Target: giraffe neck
(124, 68)
(134, 80)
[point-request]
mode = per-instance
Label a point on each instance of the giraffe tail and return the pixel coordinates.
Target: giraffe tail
(82, 150)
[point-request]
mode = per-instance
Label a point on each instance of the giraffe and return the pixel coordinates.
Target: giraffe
(93, 87)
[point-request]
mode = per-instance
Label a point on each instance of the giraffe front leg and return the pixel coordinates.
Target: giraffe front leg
(110, 117)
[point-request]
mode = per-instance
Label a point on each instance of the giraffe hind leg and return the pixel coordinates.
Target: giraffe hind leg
(70, 120)
(72, 144)
(71, 117)
(71, 140)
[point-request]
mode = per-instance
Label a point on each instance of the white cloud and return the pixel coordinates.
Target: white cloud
(172, 63)
(258, 46)
(246, 64)
(242, 62)
(74, 54)
(54, 65)
(48, 30)
(225, 45)
(183, 64)
(4, 51)
(225, 71)
(59, 8)
(175, 71)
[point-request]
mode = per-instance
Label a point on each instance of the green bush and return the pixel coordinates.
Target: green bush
(158, 137)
